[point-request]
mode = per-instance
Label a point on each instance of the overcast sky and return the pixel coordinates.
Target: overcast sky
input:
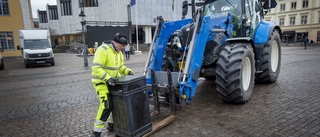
(41, 5)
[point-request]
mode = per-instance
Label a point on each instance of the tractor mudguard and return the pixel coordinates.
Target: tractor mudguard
(239, 40)
(263, 32)
(261, 36)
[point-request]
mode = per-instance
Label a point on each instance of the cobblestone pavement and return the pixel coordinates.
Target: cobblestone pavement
(60, 101)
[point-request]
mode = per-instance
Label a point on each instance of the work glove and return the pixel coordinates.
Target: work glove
(111, 81)
(130, 73)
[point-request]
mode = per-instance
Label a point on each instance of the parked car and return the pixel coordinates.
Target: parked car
(1, 63)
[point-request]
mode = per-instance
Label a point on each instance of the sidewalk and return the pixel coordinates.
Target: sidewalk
(298, 44)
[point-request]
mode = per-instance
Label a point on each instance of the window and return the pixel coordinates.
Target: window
(304, 19)
(65, 7)
(43, 18)
(89, 3)
(293, 5)
(6, 40)
(305, 4)
(281, 21)
(282, 7)
(53, 13)
(318, 36)
(4, 7)
(292, 20)
(36, 24)
(301, 36)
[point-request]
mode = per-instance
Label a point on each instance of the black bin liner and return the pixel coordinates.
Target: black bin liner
(131, 116)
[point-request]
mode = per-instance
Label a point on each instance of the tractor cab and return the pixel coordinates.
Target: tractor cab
(246, 14)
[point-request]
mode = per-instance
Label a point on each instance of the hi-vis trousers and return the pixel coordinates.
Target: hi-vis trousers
(105, 107)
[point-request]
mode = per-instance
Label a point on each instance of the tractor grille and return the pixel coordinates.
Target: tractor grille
(39, 55)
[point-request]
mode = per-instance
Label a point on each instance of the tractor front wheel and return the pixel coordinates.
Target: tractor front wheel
(235, 73)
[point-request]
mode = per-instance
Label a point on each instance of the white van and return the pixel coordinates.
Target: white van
(36, 47)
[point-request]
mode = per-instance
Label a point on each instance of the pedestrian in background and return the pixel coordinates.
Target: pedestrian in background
(106, 67)
(312, 43)
(95, 46)
(127, 50)
(306, 40)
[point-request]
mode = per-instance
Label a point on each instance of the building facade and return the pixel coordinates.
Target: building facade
(64, 22)
(14, 15)
(297, 19)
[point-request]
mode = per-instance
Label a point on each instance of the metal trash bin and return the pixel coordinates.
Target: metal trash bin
(131, 116)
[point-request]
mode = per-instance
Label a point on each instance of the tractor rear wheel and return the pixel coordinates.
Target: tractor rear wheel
(235, 73)
(271, 60)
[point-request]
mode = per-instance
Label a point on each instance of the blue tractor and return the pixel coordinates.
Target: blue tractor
(226, 41)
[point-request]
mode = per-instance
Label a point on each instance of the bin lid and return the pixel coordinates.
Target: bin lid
(129, 78)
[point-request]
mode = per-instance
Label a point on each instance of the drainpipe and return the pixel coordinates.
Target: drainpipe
(309, 31)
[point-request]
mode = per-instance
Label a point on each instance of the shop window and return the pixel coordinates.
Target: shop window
(301, 36)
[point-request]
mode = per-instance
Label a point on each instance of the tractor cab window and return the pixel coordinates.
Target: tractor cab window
(253, 16)
(222, 6)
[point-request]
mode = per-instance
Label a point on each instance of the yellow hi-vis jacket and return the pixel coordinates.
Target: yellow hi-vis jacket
(107, 63)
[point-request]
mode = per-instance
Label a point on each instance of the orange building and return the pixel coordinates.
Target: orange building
(14, 15)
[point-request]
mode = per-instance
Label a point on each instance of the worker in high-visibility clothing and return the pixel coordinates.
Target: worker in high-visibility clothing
(106, 67)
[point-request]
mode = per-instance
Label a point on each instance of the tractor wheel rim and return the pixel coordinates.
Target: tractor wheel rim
(246, 73)
(274, 56)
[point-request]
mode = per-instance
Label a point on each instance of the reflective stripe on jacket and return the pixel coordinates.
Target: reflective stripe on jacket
(107, 63)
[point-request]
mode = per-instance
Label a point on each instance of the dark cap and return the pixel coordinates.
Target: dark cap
(120, 38)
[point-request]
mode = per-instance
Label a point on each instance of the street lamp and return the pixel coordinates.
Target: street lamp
(83, 23)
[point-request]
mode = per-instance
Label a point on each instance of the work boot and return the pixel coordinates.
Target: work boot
(95, 134)
(110, 127)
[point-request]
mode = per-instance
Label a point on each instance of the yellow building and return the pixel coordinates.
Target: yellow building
(14, 15)
(297, 19)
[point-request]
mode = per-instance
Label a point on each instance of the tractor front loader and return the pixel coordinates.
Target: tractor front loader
(226, 41)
